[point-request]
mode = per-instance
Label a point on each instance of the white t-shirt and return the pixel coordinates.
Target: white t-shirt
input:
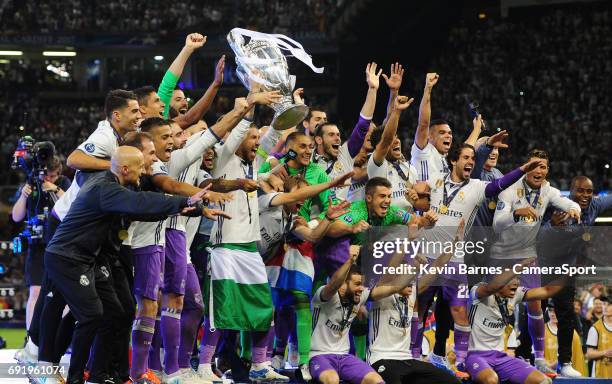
(517, 240)
(244, 208)
(390, 328)
(486, 320)
(343, 164)
(429, 163)
(398, 183)
(464, 206)
(192, 224)
(331, 322)
(102, 143)
(145, 233)
(273, 224)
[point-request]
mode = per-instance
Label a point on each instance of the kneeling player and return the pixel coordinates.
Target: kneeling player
(486, 362)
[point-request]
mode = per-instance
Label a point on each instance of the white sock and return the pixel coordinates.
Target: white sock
(205, 367)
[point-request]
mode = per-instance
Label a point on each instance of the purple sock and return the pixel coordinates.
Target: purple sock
(415, 340)
(154, 352)
(462, 338)
(171, 334)
(190, 320)
(208, 344)
(284, 322)
(535, 324)
(270, 343)
(259, 340)
(142, 334)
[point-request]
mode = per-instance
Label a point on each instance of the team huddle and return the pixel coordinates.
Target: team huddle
(260, 237)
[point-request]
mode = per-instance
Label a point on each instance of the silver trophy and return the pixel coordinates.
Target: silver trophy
(261, 61)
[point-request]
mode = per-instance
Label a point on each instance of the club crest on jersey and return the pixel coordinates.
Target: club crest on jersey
(164, 168)
(520, 193)
(104, 271)
(84, 281)
(461, 195)
(338, 166)
(381, 369)
(439, 183)
(500, 205)
(90, 147)
(348, 219)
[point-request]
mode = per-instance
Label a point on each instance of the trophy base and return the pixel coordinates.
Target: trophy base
(289, 117)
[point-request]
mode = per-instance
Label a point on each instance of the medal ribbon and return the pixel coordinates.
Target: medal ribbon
(448, 198)
(533, 203)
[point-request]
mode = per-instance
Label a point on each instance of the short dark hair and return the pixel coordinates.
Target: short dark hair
(294, 181)
(149, 123)
(439, 121)
(353, 270)
(376, 135)
(313, 108)
(143, 93)
(293, 136)
(55, 164)
(117, 99)
(136, 139)
(538, 153)
(376, 182)
(577, 179)
(318, 131)
(455, 152)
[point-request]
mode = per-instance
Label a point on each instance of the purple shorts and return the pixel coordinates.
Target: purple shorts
(349, 367)
(193, 293)
(176, 262)
(526, 280)
(453, 288)
(148, 271)
(508, 368)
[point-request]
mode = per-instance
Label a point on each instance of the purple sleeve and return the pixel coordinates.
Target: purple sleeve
(358, 135)
(496, 186)
(278, 155)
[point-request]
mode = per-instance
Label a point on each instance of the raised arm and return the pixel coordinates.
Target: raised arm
(116, 199)
(499, 281)
(422, 132)
(355, 141)
(476, 130)
(565, 204)
(303, 231)
(394, 82)
(495, 187)
(192, 42)
(80, 160)
(310, 191)
(484, 150)
(390, 130)
(543, 293)
(173, 186)
(199, 109)
(337, 279)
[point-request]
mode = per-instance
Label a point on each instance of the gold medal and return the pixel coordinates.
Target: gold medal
(492, 204)
(443, 209)
(123, 234)
(252, 195)
(338, 166)
(528, 219)
(285, 247)
(586, 236)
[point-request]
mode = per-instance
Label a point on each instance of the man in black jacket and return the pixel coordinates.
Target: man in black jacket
(71, 254)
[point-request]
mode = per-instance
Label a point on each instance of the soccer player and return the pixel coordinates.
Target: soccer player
(333, 156)
(454, 197)
(599, 345)
(431, 143)
(517, 220)
(486, 362)
(335, 306)
(71, 255)
(387, 159)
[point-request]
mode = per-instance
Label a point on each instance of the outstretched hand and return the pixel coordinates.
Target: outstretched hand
(372, 77)
(219, 71)
(394, 81)
(497, 139)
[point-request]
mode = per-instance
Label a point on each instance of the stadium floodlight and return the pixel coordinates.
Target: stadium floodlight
(59, 53)
(11, 53)
(158, 58)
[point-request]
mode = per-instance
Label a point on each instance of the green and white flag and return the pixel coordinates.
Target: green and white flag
(240, 296)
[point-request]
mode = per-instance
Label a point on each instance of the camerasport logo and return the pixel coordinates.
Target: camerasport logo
(90, 147)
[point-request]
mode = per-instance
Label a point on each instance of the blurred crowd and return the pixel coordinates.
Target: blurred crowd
(156, 17)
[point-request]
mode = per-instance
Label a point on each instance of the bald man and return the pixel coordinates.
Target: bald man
(71, 255)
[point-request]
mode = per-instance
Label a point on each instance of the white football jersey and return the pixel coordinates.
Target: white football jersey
(487, 322)
(331, 322)
(468, 198)
(398, 182)
(273, 224)
(343, 164)
(517, 240)
(243, 227)
(102, 143)
(389, 323)
(429, 163)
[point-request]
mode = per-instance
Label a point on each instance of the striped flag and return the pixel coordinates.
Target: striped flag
(292, 268)
(240, 297)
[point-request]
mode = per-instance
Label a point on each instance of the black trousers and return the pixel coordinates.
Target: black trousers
(412, 372)
(564, 309)
(74, 282)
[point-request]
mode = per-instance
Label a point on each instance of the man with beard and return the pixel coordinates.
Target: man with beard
(337, 158)
(569, 247)
(71, 255)
(517, 219)
(431, 143)
(335, 306)
(455, 197)
(387, 159)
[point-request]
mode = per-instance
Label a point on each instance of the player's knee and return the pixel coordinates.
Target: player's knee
(147, 308)
(329, 377)
(372, 378)
(487, 376)
(537, 377)
(459, 314)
